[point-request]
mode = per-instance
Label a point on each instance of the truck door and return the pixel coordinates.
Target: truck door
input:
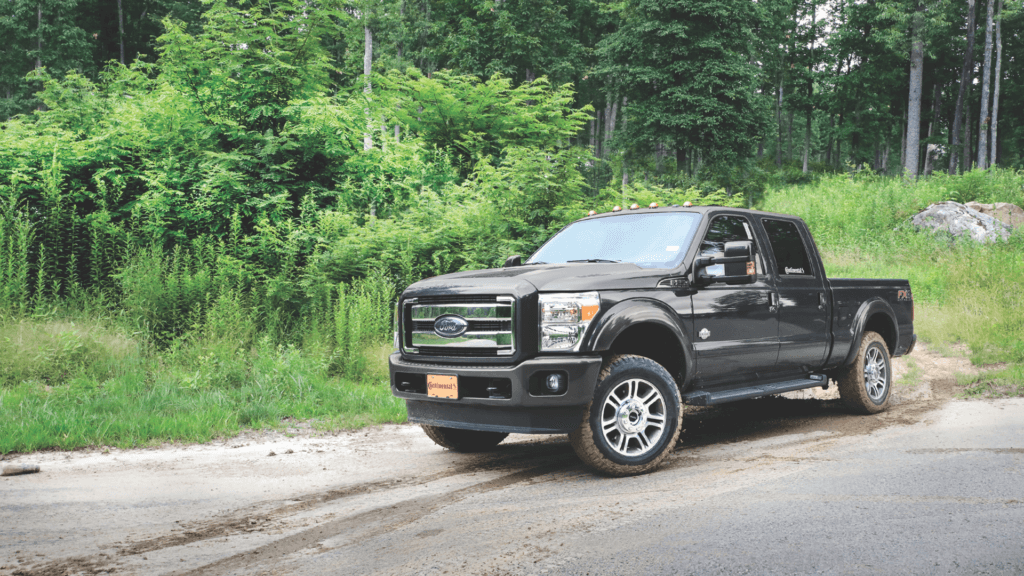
(803, 305)
(735, 329)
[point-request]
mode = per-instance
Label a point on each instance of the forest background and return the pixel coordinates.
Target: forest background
(208, 208)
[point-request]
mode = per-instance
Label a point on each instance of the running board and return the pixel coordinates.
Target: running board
(706, 398)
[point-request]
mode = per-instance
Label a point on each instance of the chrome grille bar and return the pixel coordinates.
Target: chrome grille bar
(481, 335)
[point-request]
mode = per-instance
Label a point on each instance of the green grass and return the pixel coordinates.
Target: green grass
(74, 384)
(964, 292)
(913, 376)
(1002, 383)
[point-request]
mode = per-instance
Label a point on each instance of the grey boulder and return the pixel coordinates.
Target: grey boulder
(962, 222)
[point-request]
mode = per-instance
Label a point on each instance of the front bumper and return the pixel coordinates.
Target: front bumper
(521, 412)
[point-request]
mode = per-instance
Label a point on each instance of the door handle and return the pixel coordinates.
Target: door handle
(773, 301)
(821, 301)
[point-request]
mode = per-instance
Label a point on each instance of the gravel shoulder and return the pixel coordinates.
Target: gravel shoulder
(783, 484)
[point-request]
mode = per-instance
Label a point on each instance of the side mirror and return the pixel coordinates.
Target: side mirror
(737, 265)
(515, 260)
(745, 251)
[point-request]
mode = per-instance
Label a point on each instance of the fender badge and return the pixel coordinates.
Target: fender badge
(704, 333)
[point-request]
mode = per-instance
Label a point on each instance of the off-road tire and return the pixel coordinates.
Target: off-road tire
(458, 440)
(591, 444)
(854, 384)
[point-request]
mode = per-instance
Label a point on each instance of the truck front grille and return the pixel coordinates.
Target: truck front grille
(489, 323)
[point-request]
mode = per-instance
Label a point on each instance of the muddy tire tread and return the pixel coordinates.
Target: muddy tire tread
(851, 380)
(582, 439)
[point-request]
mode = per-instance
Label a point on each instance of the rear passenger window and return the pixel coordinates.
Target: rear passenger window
(788, 247)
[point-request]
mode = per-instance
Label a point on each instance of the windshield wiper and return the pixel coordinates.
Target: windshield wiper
(594, 260)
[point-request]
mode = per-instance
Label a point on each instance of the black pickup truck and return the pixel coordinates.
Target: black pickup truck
(622, 318)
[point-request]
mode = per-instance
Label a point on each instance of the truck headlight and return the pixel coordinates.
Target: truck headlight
(564, 319)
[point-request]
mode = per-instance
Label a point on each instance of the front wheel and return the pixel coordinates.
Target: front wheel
(866, 384)
(633, 422)
(464, 440)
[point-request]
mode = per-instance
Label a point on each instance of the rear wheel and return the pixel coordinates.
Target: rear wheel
(633, 422)
(464, 440)
(866, 384)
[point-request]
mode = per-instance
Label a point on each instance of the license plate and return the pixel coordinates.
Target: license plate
(443, 386)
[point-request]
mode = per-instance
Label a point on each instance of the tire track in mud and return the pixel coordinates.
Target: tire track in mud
(261, 516)
(369, 524)
(257, 518)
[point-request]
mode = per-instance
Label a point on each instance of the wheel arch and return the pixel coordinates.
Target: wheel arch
(874, 315)
(649, 328)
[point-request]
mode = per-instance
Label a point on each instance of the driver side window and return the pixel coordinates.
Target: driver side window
(727, 229)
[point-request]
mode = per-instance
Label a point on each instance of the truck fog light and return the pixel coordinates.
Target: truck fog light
(555, 383)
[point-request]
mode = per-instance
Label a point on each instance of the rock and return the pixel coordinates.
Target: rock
(961, 221)
(15, 469)
(272, 453)
(1009, 214)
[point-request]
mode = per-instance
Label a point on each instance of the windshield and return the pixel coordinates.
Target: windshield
(647, 240)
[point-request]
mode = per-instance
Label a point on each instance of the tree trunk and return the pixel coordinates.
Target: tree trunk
(367, 62)
(39, 36)
(983, 118)
(625, 168)
(609, 127)
(401, 43)
(810, 86)
(931, 148)
(903, 142)
(789, 136)
(839, 143)
(120, 29)
(828, 147)
(965, 86)
(778, 124)
(914, 103)
(995, 90)
(968, 143)
(807, 141)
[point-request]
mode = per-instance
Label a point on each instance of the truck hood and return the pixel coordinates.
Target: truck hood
(521, 280)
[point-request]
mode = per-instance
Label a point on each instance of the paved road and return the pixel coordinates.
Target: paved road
(763, 487)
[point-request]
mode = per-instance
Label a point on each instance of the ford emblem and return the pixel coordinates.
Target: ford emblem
(450, 326)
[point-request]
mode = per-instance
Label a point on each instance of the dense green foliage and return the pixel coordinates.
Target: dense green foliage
(213, 236)
(702, 80)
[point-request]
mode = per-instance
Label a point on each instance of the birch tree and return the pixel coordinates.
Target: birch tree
(983, 118)
(995, 91)
(914, 102)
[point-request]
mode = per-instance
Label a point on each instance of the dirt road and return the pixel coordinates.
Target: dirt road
(775, 485)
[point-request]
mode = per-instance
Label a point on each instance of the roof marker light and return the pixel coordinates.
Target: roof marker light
(591, 213)
(617, 209)
(653, 205)
(687, 204)
(634, 206)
